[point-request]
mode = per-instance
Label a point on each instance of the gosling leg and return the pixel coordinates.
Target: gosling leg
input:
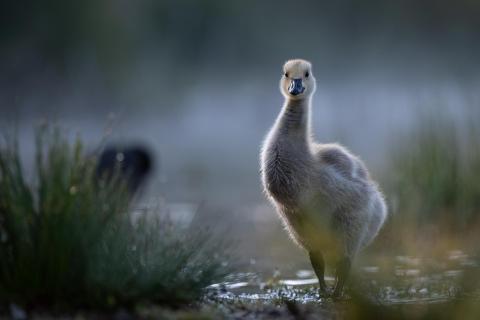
(318, 264)
(341, 275)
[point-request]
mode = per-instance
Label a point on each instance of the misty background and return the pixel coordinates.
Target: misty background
(197, 83)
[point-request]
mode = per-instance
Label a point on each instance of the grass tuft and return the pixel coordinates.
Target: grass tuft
(67, 239)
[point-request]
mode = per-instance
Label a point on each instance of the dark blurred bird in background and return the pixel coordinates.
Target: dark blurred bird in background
(132, 164)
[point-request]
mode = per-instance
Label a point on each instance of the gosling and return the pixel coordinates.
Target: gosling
(323, 193)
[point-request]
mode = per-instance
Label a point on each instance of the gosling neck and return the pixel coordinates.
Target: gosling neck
(295, 117)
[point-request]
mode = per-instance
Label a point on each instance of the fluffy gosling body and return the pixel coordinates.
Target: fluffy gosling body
(322, 192)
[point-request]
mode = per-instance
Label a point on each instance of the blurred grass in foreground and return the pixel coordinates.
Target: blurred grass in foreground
(67, 240)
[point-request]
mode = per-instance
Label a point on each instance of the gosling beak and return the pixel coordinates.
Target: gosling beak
(296, 87)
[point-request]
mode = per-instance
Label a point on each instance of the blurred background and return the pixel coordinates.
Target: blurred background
(196, 82)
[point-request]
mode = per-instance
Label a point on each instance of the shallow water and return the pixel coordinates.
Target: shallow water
(405, 280)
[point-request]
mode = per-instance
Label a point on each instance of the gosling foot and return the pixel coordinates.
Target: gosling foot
(341, 275)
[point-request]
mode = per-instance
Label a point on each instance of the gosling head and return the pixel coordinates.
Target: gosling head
(297, 81)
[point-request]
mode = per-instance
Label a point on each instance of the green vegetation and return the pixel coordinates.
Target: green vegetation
(67, 240)
(435, 173)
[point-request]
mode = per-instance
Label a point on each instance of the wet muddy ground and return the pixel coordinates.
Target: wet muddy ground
(397, 287)
(390, 287)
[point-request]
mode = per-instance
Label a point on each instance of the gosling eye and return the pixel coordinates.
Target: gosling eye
(307, 74)
(286, 74)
